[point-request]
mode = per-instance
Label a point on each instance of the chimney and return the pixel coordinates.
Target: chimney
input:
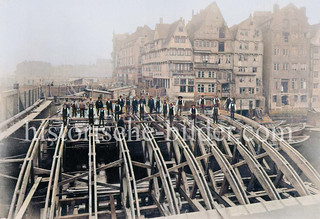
(161, 20)
(275, 8)
(303, 10)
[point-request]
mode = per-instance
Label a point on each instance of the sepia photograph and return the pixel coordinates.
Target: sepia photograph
(160, 109)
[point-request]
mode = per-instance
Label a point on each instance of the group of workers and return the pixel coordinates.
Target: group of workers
(133, 105)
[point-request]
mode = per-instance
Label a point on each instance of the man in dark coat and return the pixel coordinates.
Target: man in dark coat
(151, 104)
(117, 110)
(99, 105)
(165, 108)
(171, 114)
(193, 112)
(121, 103)
(109, 106)
(91, 115)
(135, 105)
(141, 110)
(202, 103)
(65, 113)
(128, 105)
(101, 117)
(158, 105)
(233, 109)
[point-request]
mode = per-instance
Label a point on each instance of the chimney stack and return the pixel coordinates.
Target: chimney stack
(303, 10)
(275, 8)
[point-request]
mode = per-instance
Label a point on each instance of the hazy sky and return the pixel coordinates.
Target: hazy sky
(80, 31)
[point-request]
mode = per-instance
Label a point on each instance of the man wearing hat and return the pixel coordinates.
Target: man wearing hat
(151, 104)
(193, 112)
(232, 108)
(179, 104)
(117, 110)
(109, 106)
(91, 115)
(158, 105)
(135, 105)
(141, 110)
(202, 103)
(171, 114)
(165, 107)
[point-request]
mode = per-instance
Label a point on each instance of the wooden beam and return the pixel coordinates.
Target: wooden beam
(27, 201)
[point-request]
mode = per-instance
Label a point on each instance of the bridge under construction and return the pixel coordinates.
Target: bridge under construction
(152, 169)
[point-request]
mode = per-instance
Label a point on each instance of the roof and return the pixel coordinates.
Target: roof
(211, 15)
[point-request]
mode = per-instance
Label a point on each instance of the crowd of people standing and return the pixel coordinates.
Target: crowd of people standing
(87, 108)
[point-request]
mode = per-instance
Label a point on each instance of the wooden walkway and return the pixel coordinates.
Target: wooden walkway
(22, 122)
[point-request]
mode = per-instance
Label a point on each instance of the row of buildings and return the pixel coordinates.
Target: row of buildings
(268, 61)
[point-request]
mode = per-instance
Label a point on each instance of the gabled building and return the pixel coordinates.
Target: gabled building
(127, 50)
(212, 44)
(248, 65)
(286, 70)
(167, 61)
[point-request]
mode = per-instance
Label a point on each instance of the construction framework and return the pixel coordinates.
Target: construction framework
(152, 169)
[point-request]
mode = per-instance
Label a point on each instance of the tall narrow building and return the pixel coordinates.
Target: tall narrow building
(213, 53)
(315, 67)
(126, 55)
(286, 71)
(167, 62)
(248, 66)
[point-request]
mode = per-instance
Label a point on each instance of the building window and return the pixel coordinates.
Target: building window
(180, 29)
(254, 69)
(200, 88)
(315, 74)
(211, 88)
(176, 81)
(293, 83)
(242, 90)
(221, 47)
(294, 67)
(285, 66)
(276, 66)
(315, 85)
(295, 98)
(222, 32)
(190, 81)
(285, 37)
(183, 89)
(274, 98)
(276, 51)
(183, 81)
(303, 83)
(251, 90)
(303, 98)
(190, 89)
(285, 52)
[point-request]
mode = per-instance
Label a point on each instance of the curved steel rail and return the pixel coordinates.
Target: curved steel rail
(163, 170)
(195, 168)
(282, 164)
(224, 164)
(22, 183)
(128, 185)
(252, 162)
(295, 156)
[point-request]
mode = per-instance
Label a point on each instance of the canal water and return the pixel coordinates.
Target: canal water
(311, 149)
